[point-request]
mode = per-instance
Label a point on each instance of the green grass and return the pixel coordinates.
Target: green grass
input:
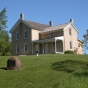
(46, 71)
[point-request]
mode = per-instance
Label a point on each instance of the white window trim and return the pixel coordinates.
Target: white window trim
(16, 48)
(70, 31)
(71, 45)
(24, 34)
(17, 38)
(24, 47)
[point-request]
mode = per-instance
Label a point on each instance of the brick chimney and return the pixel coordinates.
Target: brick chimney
(50, 23)
(22, 16)
(71, 20)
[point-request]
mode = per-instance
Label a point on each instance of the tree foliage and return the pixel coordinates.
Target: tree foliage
(5, 43)
(85, 45)
(3, 19)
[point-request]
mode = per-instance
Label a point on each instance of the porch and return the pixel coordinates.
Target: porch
(46, 46)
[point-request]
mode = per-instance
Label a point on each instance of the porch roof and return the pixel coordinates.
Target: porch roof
(48, 40)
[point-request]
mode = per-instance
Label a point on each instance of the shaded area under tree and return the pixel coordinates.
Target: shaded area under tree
(70, 66)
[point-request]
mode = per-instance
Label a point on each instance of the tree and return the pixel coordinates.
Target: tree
(3, 19)
(85, 41)
(5, 43)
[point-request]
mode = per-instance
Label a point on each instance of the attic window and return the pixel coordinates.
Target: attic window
(70, 31)
(51, 34)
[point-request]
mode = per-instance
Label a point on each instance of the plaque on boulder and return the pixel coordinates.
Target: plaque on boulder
(14, 63)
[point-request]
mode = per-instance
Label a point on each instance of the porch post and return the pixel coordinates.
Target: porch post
(55, 45)
(32, 48)
(63, 46)
(43, 47)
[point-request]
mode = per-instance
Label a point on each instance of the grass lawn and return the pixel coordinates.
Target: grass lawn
(46, 71)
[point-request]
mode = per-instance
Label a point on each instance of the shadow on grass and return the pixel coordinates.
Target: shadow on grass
(70, 66)
(56, 85)
(4, 68)
(84, 74)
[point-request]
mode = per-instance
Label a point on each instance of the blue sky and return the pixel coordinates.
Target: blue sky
(43, 11)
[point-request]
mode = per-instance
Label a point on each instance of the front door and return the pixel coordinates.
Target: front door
(46, 48)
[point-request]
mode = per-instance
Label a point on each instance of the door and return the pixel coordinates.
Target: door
(46, 48)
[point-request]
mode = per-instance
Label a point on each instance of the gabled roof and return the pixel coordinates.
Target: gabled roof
(37, 26)
(42, 27)
(30, 24)
(58, 27)
(53, 28)
(81, 41)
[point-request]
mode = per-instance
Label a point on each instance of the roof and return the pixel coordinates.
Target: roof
(37, 26)
(42, 27)
(53, 28)
(30, 24)
(81, 41)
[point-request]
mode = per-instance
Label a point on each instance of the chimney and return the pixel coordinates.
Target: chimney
(71, 21)
(50, 23)
(22, 16)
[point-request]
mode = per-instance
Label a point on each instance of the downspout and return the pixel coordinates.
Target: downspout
(55, 46)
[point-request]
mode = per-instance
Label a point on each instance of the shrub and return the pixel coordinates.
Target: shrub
(8, 53)
(69, 52)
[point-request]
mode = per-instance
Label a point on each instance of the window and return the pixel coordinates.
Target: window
(25, 34)
(70, 43)
(51, 34)
(25, 47)
(53, 45)
(17, 35)
(70, 31)
(78, 45)
(17, 48)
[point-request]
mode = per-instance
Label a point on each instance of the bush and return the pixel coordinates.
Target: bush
(8, 53)
(69, 52)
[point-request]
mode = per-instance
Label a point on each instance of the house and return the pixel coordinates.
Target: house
(29, 38)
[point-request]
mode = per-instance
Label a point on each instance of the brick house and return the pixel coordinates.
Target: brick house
(29, 37)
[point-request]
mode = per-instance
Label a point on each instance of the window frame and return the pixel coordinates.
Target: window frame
(71, 44)
(25, 34)
(25, 47)
(17, 35)
(70, 31)
(79, 45)
(17, 48)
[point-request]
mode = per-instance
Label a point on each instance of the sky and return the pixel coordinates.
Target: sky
(43, 11)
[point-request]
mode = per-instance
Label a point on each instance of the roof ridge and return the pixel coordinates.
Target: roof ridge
(35, 25)
(58, 25)
(36, 22)
(52, 28)
(62, 24)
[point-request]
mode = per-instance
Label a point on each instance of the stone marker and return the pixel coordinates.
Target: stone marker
(14, 63)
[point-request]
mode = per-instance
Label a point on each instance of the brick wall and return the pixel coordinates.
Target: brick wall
(20, 29)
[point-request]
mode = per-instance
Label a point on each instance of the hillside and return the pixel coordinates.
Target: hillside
(46, 71)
